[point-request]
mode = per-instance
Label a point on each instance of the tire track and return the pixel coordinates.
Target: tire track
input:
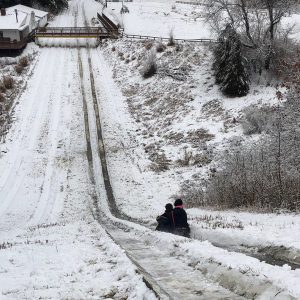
(49, 186)
(21, 154)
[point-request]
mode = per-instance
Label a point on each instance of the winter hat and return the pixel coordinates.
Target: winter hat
(178, 202)
(169, 206)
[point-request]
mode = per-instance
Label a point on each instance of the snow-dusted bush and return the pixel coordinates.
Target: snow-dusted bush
(265, 175)
(171, 41)
(229, 65)
(19, 69)
(255, 120)
(192, 194)
(148, 45)
(160, 47)
(24, 62)
(186, 160)
(149, 67)
(194, 159)
(160, 162)
(8, 82)
(2, 87)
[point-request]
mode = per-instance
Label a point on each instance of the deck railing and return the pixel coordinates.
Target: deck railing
(12, 45)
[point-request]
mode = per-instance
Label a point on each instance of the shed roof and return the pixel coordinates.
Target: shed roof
(9, 22)
(27, 10)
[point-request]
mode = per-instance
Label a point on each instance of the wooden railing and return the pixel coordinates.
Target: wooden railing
(70, 32)
(147, 37)
(12, 45)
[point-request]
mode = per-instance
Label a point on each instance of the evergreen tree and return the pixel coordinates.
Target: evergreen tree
(220, 58)
(53, 6)
(229, 64)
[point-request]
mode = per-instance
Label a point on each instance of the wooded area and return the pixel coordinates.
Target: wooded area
(53, 6)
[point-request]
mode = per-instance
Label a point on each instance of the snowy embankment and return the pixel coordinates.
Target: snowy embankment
(158, 18)
(165, 115)
(51, 245)
(132, 181)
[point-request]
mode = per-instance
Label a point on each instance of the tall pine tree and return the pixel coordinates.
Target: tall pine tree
(229, 64)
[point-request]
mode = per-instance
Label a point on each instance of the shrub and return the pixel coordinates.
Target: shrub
(265, 175)
(171, 41)
(19, 69)
(2, 97)
(8, 82)
(186, 160)
(148, 45)
(160, 47)
(149, 66)
(2, 88)
(160, 162)
(192, 193)
(23, 62)
(255, 120)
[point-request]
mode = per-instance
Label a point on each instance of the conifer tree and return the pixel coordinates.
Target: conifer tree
(229, 64)
(53, 6)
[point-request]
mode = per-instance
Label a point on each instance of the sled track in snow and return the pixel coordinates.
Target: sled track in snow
(149, 281)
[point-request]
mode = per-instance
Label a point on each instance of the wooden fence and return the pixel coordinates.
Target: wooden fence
(147, 37)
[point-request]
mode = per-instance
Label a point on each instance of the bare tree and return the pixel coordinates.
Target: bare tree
(255, 20)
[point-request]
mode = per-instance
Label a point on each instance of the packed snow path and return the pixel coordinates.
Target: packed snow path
(51, 186)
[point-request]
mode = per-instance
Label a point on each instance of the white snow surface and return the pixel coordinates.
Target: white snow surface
(158, 18)
(50, 245)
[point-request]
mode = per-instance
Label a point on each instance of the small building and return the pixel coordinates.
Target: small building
(16, 24)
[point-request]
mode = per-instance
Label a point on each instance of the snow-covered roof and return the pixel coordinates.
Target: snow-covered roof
(27, 10)
(9, 21)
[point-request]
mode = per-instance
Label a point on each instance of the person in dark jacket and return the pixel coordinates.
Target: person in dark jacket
(165, 221)
(180, 219)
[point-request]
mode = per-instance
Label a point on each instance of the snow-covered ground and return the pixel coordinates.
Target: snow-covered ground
(50, 244)
(158, 18)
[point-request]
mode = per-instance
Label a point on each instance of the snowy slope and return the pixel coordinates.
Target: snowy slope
(50, 244)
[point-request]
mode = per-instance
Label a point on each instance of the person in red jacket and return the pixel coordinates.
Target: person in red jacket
(181, 226)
